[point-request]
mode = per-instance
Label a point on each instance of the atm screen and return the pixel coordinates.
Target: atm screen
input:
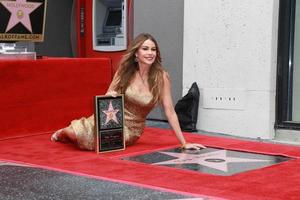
(114, 17)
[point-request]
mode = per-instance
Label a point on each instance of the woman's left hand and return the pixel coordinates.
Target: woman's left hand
(193, 146)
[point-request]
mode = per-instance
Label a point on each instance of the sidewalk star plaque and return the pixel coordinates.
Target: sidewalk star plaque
(109, 123)
(22, 20)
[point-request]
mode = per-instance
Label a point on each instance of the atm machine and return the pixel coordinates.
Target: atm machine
(104, 28)
(109, 25)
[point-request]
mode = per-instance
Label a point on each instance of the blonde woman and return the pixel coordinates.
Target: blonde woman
(145, 84)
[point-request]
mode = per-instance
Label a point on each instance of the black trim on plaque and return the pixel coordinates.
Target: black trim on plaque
(285, 59)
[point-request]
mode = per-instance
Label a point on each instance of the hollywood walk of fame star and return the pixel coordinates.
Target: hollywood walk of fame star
(111, 114)
(20, 10)
(216, 159)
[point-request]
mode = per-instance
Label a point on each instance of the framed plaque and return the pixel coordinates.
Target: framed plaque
(109, 123)
(22, 20)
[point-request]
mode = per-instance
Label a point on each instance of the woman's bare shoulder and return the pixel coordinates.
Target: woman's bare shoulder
(166, 75)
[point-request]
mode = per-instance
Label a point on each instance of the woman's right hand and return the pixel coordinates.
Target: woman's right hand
(111, 93)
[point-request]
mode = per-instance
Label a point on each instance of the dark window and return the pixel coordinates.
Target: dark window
(288, 69)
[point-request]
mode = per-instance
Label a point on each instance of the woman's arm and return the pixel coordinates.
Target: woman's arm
(111, 89)
(171, 115)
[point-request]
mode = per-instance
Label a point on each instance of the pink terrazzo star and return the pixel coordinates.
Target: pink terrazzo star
(216, 160)
(111, 114)
(20, 10)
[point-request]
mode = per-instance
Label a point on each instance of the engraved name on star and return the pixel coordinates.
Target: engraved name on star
(111, 114)
(217, 159)
(20, 10)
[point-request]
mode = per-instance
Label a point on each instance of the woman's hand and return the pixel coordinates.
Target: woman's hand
(112, 93)
(193, 146)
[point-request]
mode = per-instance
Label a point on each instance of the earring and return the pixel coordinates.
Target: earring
(136, 59)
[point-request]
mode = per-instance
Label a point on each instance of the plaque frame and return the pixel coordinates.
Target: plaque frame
(109, 123)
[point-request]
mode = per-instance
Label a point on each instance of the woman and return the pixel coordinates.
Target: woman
(145, 84)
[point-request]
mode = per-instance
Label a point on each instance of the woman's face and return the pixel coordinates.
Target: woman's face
(146, 53)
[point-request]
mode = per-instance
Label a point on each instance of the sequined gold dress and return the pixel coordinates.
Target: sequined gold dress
(137, 105)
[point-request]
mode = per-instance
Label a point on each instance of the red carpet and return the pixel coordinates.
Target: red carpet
(281, 181)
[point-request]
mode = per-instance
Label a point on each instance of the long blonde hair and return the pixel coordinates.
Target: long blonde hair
(128, 67)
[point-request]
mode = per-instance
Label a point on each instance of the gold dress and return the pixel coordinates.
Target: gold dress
(137, 107)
